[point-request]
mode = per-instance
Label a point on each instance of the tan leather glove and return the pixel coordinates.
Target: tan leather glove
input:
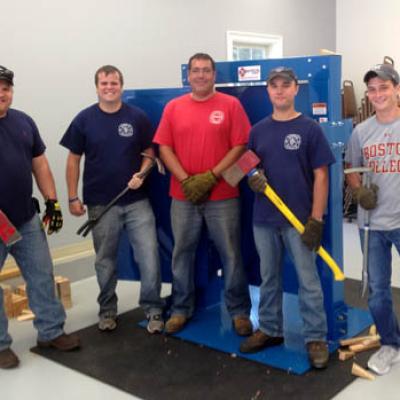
(258, 181)
(366, 197)
(312, 234)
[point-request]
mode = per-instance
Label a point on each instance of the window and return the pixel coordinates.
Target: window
(253, 46)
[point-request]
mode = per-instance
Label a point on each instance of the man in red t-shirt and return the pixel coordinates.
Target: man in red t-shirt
(200, 135)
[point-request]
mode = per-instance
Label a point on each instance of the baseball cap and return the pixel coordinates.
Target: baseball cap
(384, 71)
(6, 75)
(281, 72)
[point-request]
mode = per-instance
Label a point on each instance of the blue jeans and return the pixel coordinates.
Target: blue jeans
(223, 223)
(138, 220)
(379, 281)
(33, 258)
(270, 243)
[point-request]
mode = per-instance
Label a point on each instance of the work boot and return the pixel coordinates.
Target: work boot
(63, 342)
(318, 353)
(8, 359)
(259, 341)
(155, 324)
(175, 323)
(242, 325)
(107, 323)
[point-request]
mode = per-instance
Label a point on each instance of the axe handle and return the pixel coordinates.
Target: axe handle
(285, 210)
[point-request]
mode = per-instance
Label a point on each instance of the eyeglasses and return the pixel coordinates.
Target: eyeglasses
(6, 74)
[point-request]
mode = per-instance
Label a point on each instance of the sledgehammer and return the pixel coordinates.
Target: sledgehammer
(246, 166)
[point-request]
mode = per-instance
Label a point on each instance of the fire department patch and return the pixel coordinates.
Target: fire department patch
(292, 141)
(217, 117)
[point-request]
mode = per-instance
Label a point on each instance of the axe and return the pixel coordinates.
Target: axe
(91, 222)
(366, 181)
(246, 166)
(8, 232)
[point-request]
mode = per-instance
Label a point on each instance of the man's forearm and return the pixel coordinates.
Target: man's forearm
(320, 192)
(72, 175)
(43, 177)
(172, 163)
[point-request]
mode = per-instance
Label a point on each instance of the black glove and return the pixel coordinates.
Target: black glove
(52, 216)
(197, 188)
(366, 197)
(312, 234)
(257, 181)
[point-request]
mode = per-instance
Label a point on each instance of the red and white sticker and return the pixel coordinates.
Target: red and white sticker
(249, 73)
(319, 108)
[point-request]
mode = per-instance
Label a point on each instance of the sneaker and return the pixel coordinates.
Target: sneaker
(381, 361)
(155, 324)
(242, 325)
(259, 341)
(63, 342)
(318, 353)
(175, 323)
(107, 323)
(8, 359)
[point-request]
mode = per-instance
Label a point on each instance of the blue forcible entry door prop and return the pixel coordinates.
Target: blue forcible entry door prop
(319, 97)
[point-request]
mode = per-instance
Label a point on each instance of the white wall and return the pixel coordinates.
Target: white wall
(54, 48)
(366, 31)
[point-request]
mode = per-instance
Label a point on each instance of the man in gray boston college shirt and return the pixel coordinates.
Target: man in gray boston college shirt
(375, 143)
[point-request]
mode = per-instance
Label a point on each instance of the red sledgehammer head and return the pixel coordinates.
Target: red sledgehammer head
(236, 172)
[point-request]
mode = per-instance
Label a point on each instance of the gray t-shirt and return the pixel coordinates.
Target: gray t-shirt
(377, 145)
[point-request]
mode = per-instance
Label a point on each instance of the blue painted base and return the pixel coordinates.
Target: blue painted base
(212, 327)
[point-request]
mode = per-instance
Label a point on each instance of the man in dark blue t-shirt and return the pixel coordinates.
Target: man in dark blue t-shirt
(21, 155)
(112, 135)
(295, 157)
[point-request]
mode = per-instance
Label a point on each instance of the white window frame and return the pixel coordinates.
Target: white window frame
(273, 42)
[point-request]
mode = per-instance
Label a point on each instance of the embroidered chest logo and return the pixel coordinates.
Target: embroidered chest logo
(125, 130)
(292, 141)
(217, 117)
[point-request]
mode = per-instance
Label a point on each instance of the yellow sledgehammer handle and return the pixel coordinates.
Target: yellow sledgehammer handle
(285, 210)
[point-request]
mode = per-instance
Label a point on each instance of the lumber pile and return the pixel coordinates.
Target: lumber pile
(16, 299)
(350, 347)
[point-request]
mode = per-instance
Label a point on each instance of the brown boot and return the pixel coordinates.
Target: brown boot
(259, 341)
(8, 359)
(318, 353)
(63, 342)
(175, 324)
(242, 325)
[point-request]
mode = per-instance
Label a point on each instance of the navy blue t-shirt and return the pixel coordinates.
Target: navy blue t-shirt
(20, 142)
(111, 144)
(289, 152)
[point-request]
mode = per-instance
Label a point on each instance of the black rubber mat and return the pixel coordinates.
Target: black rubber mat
(162, 367)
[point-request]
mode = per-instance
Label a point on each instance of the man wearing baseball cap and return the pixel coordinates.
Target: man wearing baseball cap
(295, 156)
(375, 143)
(22, 154)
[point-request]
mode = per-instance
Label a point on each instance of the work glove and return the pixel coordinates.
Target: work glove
(312, 234)
(197, 188)
(52, 218)
(367, 198)
(257, 181)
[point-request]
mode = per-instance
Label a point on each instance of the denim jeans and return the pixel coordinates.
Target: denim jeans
(379, 281)
(33, 258)
(222, 219)
(270, 243)
(138, 220)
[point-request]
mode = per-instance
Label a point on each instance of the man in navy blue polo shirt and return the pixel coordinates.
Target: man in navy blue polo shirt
(112, 135)
(21, 155)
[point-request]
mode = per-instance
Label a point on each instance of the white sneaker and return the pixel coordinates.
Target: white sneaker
(107, 323)
(155, 324)
(381, 361)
